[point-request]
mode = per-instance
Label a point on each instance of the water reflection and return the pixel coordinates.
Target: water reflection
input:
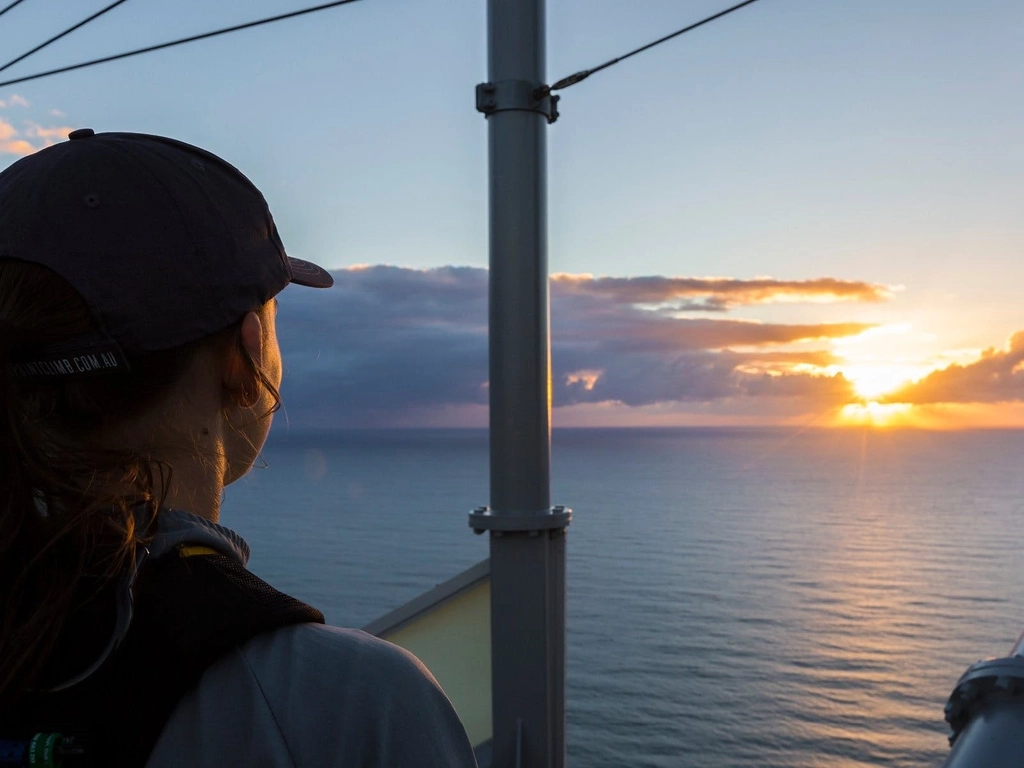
(735, 598)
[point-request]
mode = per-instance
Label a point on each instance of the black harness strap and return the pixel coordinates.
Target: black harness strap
(189, 611)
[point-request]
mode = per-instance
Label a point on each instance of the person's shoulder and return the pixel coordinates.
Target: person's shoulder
(323, 638)
(313, 695)
(327, 657)
(337, 691)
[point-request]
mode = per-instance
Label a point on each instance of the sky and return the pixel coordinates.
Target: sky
(806, 213)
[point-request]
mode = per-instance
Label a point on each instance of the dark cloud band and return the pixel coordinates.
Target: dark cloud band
(389, 339)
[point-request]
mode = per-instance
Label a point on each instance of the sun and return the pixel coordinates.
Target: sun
(872, 380)
(881, 360)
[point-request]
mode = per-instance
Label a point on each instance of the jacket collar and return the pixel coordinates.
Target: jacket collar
(176, 527)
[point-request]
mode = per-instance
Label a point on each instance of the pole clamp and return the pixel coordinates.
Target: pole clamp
(484, 519)
(516, 95)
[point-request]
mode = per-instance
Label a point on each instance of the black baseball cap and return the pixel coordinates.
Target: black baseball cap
(167, 243)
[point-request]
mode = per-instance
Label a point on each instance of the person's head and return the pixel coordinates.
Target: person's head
(139, 365)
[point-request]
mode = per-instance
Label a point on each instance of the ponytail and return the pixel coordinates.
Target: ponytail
(64, 534)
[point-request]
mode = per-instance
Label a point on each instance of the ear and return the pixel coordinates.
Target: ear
(239, 378)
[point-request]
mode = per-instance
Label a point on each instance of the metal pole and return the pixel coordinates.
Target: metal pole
(527, 534)
(519, 359)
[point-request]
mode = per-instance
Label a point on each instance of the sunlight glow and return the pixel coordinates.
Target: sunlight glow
(871, 380)
(874, 414)
(881, 360)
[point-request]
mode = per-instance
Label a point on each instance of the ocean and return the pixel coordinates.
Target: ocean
(736, 597)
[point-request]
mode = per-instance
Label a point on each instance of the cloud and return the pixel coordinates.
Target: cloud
(717, 294)
(389, 340)
(10, 143)
(996, 377)
(48, 135)
(31, 138)
(386, 339)
(13, 101)
(16, 147)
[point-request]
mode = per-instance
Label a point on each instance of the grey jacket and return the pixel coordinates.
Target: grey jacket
(306, 695)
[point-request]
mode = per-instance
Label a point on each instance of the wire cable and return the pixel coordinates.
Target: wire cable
(5, 10)
(67, 31)
(565, 82)
(181, 41)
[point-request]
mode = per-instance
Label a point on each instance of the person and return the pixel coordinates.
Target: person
(139, 374)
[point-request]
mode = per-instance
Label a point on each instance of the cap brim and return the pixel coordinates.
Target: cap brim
(309, 274)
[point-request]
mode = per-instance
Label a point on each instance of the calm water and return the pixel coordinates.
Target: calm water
(736, 598)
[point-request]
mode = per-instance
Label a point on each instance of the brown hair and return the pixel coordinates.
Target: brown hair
(59, 527)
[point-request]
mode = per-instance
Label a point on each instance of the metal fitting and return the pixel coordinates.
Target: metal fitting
(516, 95)
(483, 519)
